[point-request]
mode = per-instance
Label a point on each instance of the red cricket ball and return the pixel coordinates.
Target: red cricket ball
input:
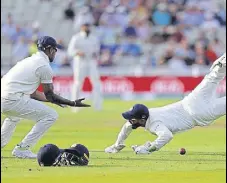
(182, 151)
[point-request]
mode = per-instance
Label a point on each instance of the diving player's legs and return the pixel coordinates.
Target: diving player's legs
(219, 107)
(205, 91)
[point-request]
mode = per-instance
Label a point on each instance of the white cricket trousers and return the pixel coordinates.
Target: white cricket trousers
(202, 103)
(26, 108)
(81, 70)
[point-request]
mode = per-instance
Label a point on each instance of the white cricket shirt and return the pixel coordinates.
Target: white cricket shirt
(26, 76)
(86, 44)
(173, 116)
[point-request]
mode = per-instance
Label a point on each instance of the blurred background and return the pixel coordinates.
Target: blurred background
(149, 48)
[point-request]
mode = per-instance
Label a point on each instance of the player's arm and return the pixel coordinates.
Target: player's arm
(40, 96)
(119, 144)
(45, 75)
(164, 136)
(48, 90)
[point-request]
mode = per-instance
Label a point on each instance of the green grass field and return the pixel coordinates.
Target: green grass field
(204, 162)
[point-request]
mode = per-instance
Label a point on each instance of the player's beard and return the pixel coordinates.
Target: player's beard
(87, 32)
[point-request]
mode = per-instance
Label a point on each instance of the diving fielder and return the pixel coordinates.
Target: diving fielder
(200, 108)
(84, 49)
(20, 98)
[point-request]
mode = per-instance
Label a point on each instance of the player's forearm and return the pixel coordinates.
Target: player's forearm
(164, 137)
(124, 133)
(40, 96)
(57, 99)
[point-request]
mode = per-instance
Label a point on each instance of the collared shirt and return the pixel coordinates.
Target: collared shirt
(26, 76)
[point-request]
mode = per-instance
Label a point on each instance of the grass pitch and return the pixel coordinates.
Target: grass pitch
(204, 162)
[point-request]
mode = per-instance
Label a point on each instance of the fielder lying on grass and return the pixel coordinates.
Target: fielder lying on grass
(200, 108)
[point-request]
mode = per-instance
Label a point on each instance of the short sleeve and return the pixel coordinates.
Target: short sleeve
(45, 74)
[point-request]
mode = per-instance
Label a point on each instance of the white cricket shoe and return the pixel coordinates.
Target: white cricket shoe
(221, 62)
(114, 148)
(23, 153)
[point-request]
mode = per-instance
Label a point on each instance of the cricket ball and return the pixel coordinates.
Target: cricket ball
(182, 151)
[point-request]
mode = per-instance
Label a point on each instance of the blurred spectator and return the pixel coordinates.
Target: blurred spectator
(218, 47)
(108, 17)
(143, 30)
(161, 15)
(121, 16)
(168, 55)
(105, 58)
(9, 27)
(210, 23)
(210, 54)
(202, 38)
(173, 8)
(130, 30)
(108, 36)
(19, 32)
(200, 60)
(69, 12)
(139, 12)
(130, 47)
(191, 16)
(177, 61)
(20, 49)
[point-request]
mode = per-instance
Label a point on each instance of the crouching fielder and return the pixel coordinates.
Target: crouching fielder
(199, 108)
(21, 100)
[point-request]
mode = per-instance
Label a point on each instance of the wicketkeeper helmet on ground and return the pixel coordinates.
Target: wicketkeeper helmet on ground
(51, 155)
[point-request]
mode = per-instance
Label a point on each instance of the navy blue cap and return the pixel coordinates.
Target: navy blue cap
(48, 154)
(139, 111)
(47, 41)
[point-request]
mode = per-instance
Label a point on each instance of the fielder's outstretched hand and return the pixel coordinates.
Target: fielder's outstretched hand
(140, 149)
(78, 103)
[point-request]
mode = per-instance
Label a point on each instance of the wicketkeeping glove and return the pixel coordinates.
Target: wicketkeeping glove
(140, 149)
(78, 103)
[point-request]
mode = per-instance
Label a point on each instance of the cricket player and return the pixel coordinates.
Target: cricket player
(21, 100)
(84, 49)
(199, 108)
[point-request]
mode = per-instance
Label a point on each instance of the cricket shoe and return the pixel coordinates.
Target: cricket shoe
(220, 62)
(114, 148)
(24, 153)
